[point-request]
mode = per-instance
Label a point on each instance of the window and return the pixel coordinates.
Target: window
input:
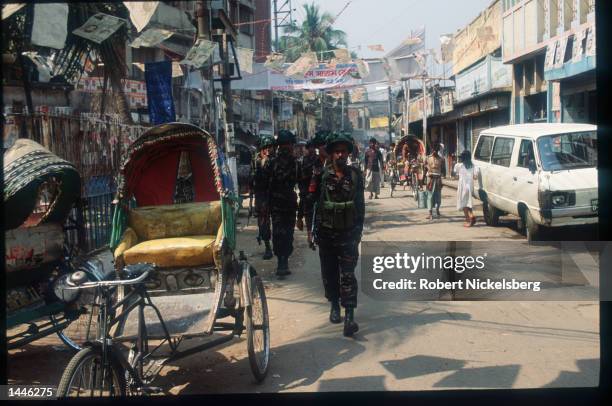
(568, 151)
(483, 149)
(502, 151)
(525, 154)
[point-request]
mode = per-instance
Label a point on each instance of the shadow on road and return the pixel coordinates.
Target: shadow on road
(587, 375)
(502, 376)
(419, 365)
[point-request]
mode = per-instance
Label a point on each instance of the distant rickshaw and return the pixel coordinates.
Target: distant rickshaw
(410, 157)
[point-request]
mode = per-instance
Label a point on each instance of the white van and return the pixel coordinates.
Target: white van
(545, 174)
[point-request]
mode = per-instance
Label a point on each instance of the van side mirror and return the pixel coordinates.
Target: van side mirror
(532, 166)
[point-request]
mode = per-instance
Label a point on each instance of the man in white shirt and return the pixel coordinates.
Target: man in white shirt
(383, 152)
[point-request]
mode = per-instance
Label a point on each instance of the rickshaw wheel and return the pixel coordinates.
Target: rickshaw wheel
(258, 330)
(86, 375)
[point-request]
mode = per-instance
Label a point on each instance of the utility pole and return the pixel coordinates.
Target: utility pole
(390, 115)
(424, 113)
(406, 105)
(342, 118)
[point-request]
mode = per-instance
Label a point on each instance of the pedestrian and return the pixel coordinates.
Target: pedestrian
(305, 170)
(259, 190)
(434, 166)
(373, 166)
(466, 172)
(282, 179)
(383, 154)
(338, 226)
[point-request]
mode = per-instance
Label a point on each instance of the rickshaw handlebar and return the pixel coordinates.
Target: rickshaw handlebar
(116, 282)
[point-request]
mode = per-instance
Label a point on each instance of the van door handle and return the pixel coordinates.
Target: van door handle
(530, 182)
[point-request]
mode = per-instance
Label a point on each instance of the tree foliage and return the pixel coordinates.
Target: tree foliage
(314, 34)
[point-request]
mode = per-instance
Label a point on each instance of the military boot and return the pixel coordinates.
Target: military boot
(350, 326)
(282, 268)
(334, 313)
(268, 254)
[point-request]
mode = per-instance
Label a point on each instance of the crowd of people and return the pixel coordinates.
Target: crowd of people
(320, 185)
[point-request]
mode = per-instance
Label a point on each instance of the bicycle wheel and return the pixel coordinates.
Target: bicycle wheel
(258, 330)
(86, 375)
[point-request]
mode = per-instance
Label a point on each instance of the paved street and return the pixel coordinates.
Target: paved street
(400, 346)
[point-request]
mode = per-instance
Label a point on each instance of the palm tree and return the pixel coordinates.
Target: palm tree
(315, 34)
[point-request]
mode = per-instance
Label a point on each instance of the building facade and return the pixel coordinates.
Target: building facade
(550, 45)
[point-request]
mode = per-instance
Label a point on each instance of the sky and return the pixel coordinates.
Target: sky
(389, 22)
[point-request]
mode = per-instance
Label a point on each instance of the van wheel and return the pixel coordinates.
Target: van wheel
(532, 229)
(491, 214)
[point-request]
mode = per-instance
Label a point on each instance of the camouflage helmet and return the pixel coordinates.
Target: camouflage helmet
(336, 138)
(265, 142)
(320, 138)
(285, 137)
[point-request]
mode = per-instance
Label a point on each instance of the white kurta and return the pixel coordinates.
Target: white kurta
(465, 186)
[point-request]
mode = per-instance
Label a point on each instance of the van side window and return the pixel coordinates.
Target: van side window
(502, 151)
(525, 154)
(483, 149)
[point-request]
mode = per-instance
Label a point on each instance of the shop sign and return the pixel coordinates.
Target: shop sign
(561, 45)
(470, 109)
(379, 122)
(472, 82)
(578, 49)
(446, 101)
(480, 38)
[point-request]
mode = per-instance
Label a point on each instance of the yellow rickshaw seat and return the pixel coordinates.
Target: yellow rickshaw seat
(177, 235)
(196, 250)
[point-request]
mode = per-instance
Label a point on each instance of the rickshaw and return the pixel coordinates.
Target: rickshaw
(410, 156)
(174, 233)
(40, 191)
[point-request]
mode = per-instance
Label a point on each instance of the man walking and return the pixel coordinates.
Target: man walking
(434, 166)
(259, 189)
(281, 172)
(373, 165)
(306, 165)
(338, 225)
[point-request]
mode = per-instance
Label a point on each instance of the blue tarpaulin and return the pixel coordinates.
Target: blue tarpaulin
(158, 76)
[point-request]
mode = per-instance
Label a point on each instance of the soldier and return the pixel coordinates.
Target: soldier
(259, 189)
(318, 142)
(305, 170)
(282, 179)
(338, 225)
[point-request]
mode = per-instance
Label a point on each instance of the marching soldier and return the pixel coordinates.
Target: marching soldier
(319, 141)
(338, 225)
(282, 179)
(305, 170)
(259, 189)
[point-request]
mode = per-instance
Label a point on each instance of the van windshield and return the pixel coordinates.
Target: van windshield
(568, 151)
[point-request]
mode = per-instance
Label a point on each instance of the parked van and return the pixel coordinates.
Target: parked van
(546, 174)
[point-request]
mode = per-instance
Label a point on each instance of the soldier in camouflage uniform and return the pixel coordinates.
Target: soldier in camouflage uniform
(259, 189)
(282, 178)
(305, 169)
(319, 142)
(338, 225)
